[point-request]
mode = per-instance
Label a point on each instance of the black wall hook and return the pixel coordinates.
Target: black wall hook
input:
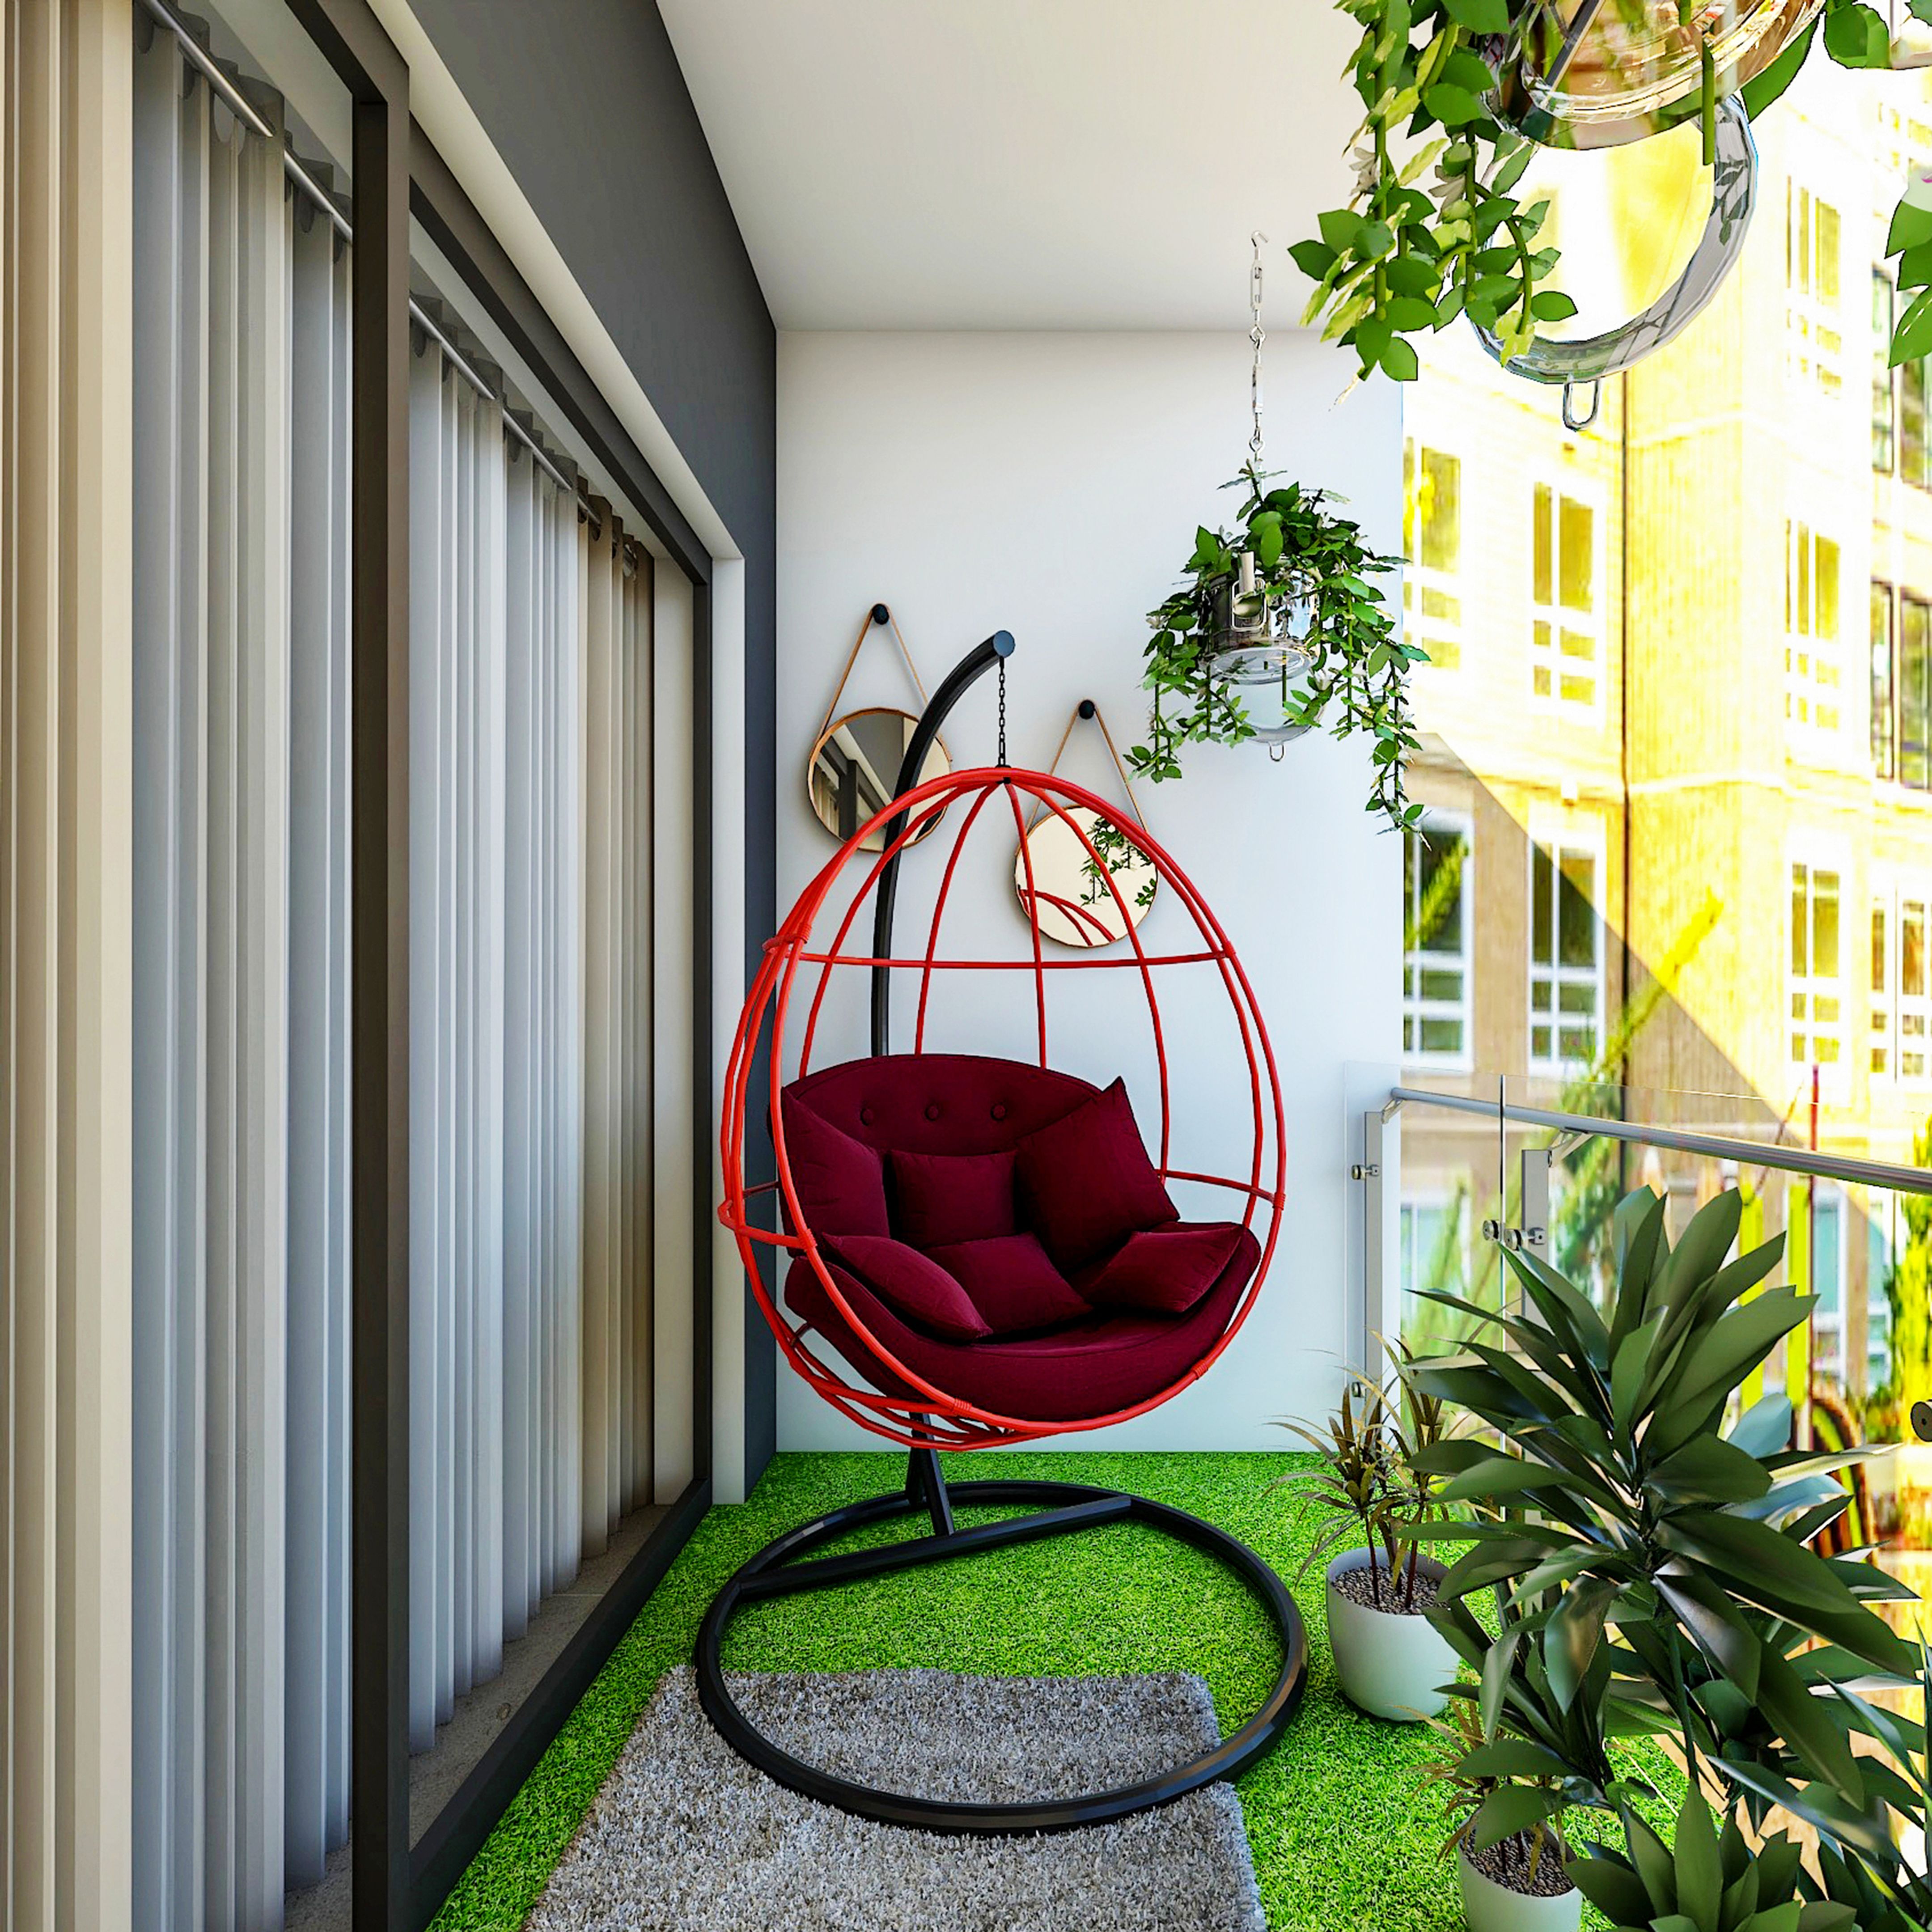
(1087, 707)
(881, 615)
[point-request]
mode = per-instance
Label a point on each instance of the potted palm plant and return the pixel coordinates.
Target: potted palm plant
(1391, 1661)
(1654, 1570)
(1511, 1876)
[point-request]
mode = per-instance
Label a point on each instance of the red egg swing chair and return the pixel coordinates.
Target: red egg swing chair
(984, 1346)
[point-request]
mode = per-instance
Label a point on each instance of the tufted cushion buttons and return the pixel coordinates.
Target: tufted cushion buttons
(999, 1110)
(932, 1110)
(867, 1115)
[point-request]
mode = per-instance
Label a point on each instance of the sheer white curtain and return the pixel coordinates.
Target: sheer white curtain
(218, 1092)
(618, 873)
(66, 956)
(530, 960)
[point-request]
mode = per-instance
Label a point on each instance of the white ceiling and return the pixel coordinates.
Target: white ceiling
(1021, 163)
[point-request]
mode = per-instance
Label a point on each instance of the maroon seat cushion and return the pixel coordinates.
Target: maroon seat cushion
(1086, 1182)
(939, 1198)
(1009, 1280)
(920, 1289)
(1168, 1269)
(938, 1102)
(1109, 1361)
(840, 1181)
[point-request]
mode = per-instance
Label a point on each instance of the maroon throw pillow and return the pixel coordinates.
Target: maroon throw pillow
(840, 1182)
(1011, 1282)
(1165, 1269)
(910, 1283)
(943, 1197)
(1087, 1182)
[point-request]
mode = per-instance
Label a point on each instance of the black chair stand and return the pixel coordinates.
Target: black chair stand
(788, 1565)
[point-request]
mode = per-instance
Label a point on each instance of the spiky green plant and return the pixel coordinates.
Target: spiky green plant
(1354, 1485)
(1704, 1880)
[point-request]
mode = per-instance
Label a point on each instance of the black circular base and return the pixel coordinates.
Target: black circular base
(1075, 1506)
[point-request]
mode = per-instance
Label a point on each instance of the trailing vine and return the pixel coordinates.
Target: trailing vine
(1357, 679)
(1435, 229)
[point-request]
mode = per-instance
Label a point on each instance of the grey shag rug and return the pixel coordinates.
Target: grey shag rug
(686, 1835)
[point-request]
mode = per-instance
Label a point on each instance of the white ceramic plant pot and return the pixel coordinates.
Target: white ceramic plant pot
(1390, 1665)
(1490, 1907)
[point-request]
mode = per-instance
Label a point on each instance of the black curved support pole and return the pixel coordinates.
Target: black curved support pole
(974, 665)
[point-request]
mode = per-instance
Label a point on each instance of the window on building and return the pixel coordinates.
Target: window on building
(1901, 985)
(1885, 387)
(1884, 1025)
(1566, 956)
(1884, 679)
(1827, 1234)
(1915, 446)
(1431, 1258)
(1914, 692)
(1816, 990)
(1566, 625)
(1882, 1220)
(1813, 696)
(1432, 529)
(1815, 338)
(1438, 968)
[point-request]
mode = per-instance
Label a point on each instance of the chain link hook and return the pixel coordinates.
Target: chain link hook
(1257, 335)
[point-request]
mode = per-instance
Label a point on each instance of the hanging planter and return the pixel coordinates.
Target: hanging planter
(1280, 628)
(1458, 94)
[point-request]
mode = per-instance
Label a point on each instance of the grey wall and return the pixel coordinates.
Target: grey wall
(585, 102)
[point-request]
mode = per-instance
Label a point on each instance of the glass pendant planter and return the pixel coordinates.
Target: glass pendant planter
(1262, 640)
(1595, 74)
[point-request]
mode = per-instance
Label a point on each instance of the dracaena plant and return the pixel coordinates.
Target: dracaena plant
(1436, 228)
(1358, 679)
(1369, 1486)
(1651, 1570)
(1704, 1880)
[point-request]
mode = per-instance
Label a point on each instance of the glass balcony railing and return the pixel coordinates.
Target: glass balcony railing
(1456, 1170)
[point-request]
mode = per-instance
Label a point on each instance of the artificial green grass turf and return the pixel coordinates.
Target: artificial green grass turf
(1345, 1836)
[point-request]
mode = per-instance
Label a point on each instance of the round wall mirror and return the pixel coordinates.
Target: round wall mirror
(1071, 901)
(855, 765)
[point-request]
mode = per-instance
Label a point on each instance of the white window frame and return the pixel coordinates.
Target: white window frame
(1900, 1022)
(1547, 657)
(1806, 1026)
(1420, 581)
(1556, 837)
(1424, 1201)
(1415, 1009)
(1814, 338)
(1814, 666)
(1829, 1202)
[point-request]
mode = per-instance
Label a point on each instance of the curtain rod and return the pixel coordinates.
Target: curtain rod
(238, 102)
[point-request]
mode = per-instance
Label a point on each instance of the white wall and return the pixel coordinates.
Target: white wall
(1050, 484)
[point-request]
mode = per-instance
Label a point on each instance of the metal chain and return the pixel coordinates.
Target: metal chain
(1003, 714)
(1257, 335)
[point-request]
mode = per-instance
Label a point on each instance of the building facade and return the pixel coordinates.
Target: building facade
(1704, 873)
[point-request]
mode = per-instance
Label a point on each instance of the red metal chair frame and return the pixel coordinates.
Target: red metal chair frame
(937, 1419)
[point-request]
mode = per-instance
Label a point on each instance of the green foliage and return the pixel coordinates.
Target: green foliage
(1908, 1287)
(1704, 1880)
(1484, 1786)
(1436, 228)
(1652, 1570)
(1358, 680)
(1368, 1483)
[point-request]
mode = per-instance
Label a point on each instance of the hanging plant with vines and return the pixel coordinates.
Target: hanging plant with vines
(1300, 554)
(1288, 600)
(1436, 228)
